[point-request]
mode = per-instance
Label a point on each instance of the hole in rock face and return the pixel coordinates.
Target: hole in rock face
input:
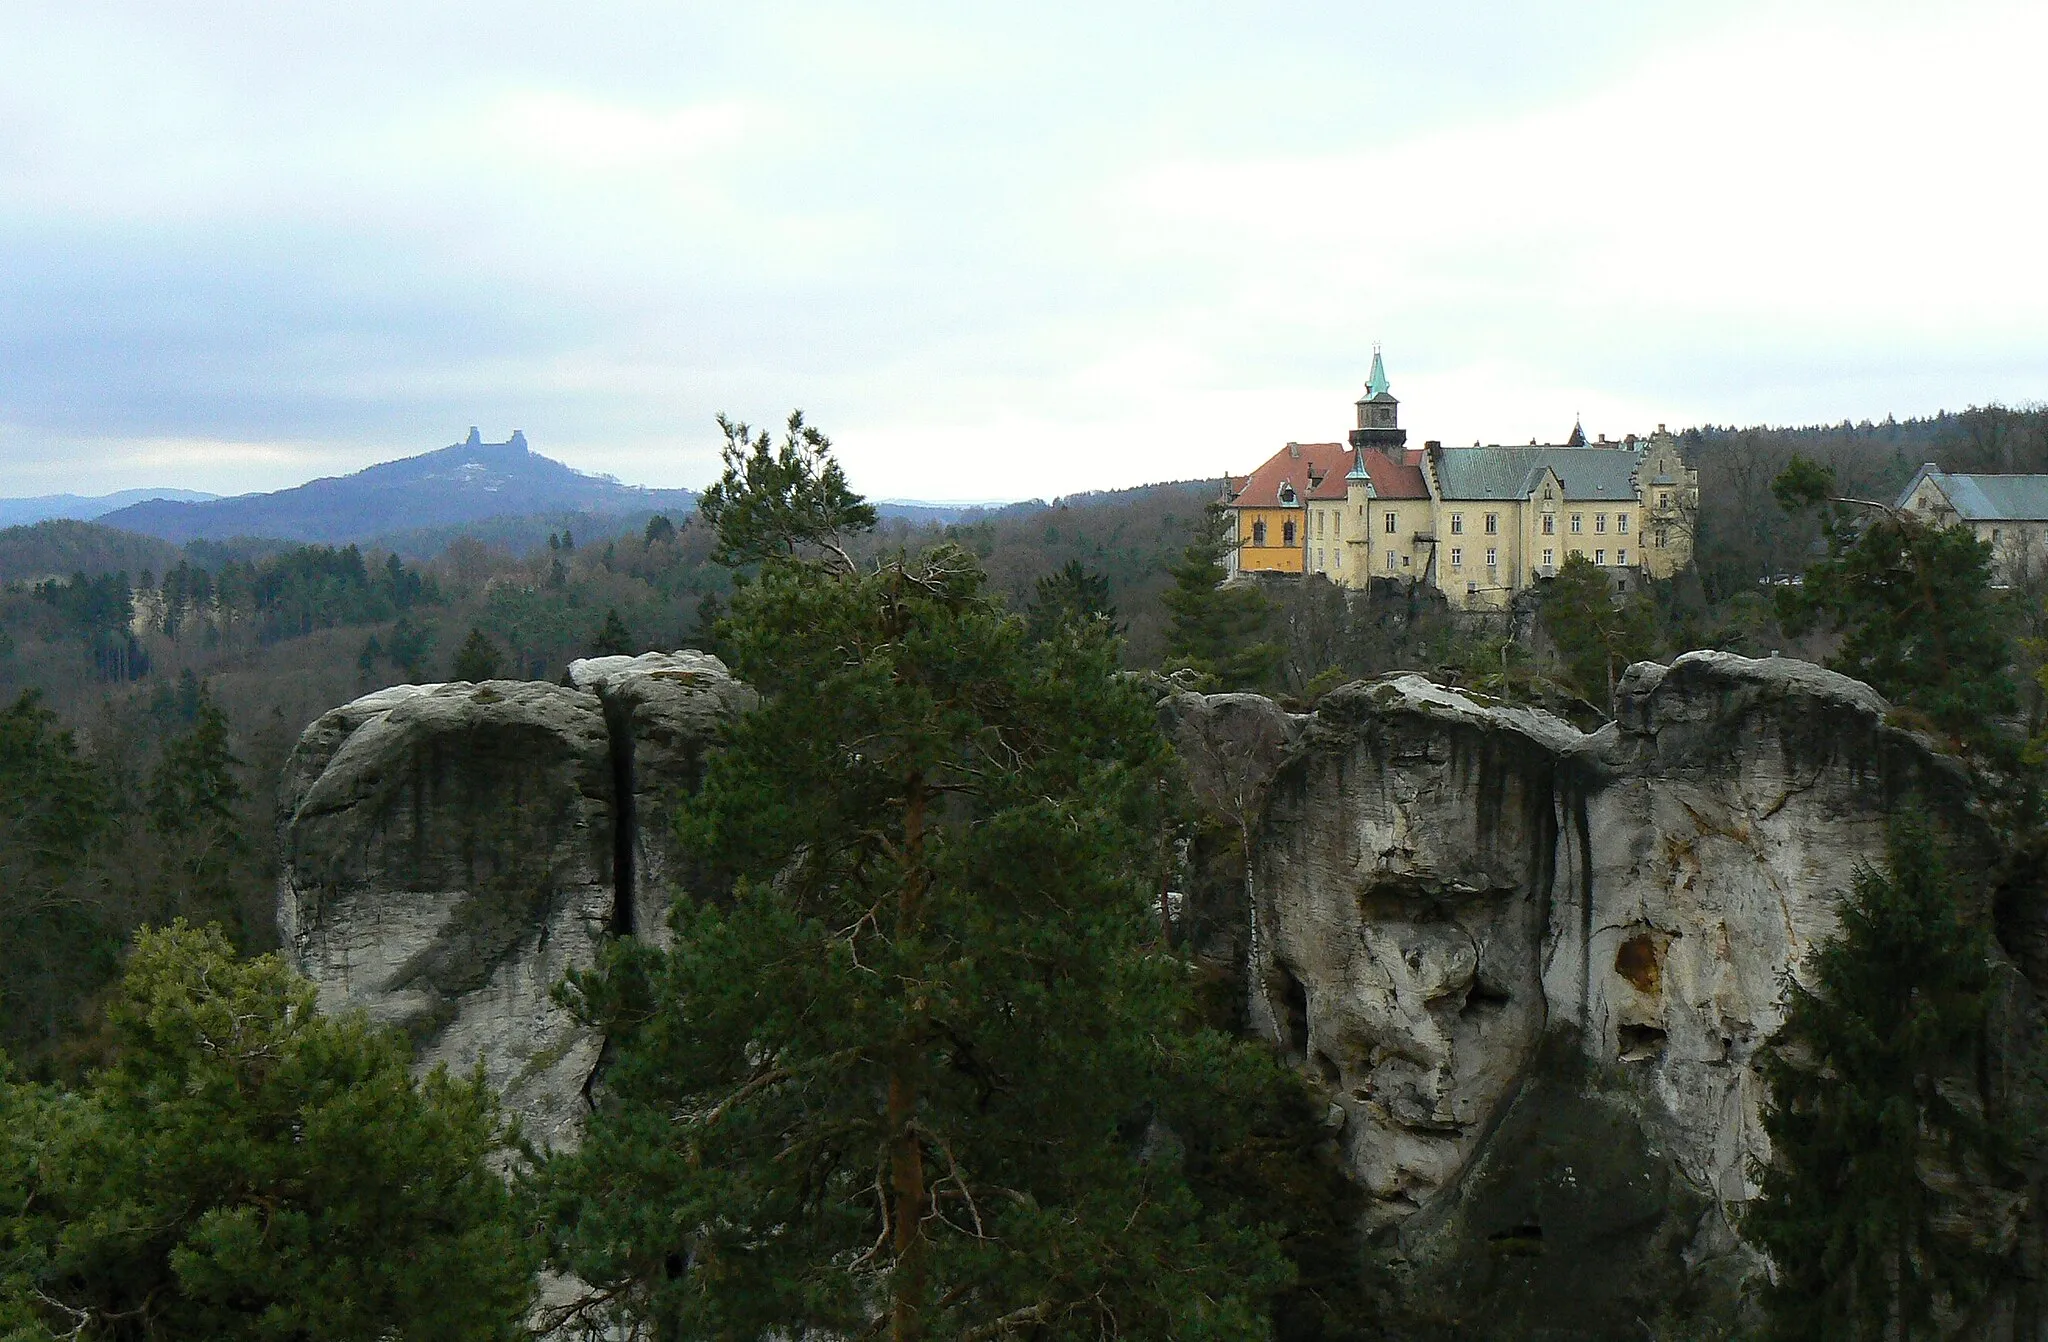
(1485, 998)
(1640, 962)
(1326, 1071)
(1640, 1043)
(1293, 1013)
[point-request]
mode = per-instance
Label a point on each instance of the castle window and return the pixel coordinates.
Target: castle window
(1319, 560)
(1457, 524)
(1663, 537)
(1600, 523)
(1621, 558)
(1550, 559)
(1340, 558)
(1338, 518)
(1390, 561)
(1287, 533)
(1492, 557)
(1493, 524)
(1322, 524)
(1259, 534)
(1621, 523)
(1457, 557)
(1470, 588)
(1390, 524)
(1600, 558)
(1550, 524)
(1548, 495)
(1663, 499)
(1578, 523)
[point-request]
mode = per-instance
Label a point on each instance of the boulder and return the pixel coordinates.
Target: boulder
(451, 852)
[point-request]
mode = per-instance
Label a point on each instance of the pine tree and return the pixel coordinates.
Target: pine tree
(409, 646)
(55, 945)
(1597, 634)
(1874, 1094)
(612, 639)
(1072, 595)
(192, 795)
(1216, 629)
(782, 501)
(891, 1077)
(249, 1169)
(1919, 621)
(477, 659)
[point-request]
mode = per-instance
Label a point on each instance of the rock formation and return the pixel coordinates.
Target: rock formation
(451, 851)
(1531, 965)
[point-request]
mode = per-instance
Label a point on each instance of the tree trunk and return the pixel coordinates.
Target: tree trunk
(906, 1152)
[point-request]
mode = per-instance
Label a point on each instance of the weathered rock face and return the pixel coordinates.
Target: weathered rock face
(1472, 920)
(451, 851)
(663, 711)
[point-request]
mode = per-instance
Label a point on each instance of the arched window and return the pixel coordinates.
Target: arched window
(1287, 533)
(1259, 534)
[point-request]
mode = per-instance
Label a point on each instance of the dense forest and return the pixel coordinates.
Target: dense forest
(153, 692)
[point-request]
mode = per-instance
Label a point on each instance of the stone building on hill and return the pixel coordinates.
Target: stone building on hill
(2009, 513)
(1479, 523)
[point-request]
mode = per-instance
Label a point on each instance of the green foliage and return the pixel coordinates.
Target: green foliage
(478, 658)
(1597, 634)
(249, 1169)
(1218, 630)
(1913, 604)
(408, 647)
(893, 1074)
(659, 529)
(1070, 596)
(780, 501)
(54, 943)
(612, 639)
(1877, 1119)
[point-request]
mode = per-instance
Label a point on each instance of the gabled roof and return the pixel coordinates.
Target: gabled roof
(1315, 470)
(1391, 479)
(1590, 474)
(1318, 471)
(1988, 498)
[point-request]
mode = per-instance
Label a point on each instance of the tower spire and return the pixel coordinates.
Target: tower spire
(1376, 384)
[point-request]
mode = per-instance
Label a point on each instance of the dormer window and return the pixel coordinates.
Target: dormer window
(1287, 494)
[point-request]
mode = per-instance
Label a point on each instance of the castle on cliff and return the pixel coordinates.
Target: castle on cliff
(1480, 523)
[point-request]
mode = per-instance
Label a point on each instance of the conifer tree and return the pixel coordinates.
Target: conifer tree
(891, 1077)
(477, 659)
(1218, 630)
(1914, 605)
(1597, 634)
(249, 1169)
(1071, 595)
(612, 639)
(1874, 1095)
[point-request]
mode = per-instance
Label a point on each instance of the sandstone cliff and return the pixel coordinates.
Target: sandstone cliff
(451, 851)
(1531, 965)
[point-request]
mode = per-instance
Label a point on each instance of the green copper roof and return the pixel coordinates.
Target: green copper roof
(1376, 385)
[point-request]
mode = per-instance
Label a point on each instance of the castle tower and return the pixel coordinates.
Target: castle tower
(1379, 414)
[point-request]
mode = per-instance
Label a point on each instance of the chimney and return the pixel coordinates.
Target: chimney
(1432, 445)
(1294, 451)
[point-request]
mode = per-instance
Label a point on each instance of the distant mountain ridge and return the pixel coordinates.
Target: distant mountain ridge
(86, 507)
(468, 482)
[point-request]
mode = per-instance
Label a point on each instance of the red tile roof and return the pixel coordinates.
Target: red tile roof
(1318, 471)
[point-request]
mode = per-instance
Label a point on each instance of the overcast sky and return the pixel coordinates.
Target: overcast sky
(995, 251)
